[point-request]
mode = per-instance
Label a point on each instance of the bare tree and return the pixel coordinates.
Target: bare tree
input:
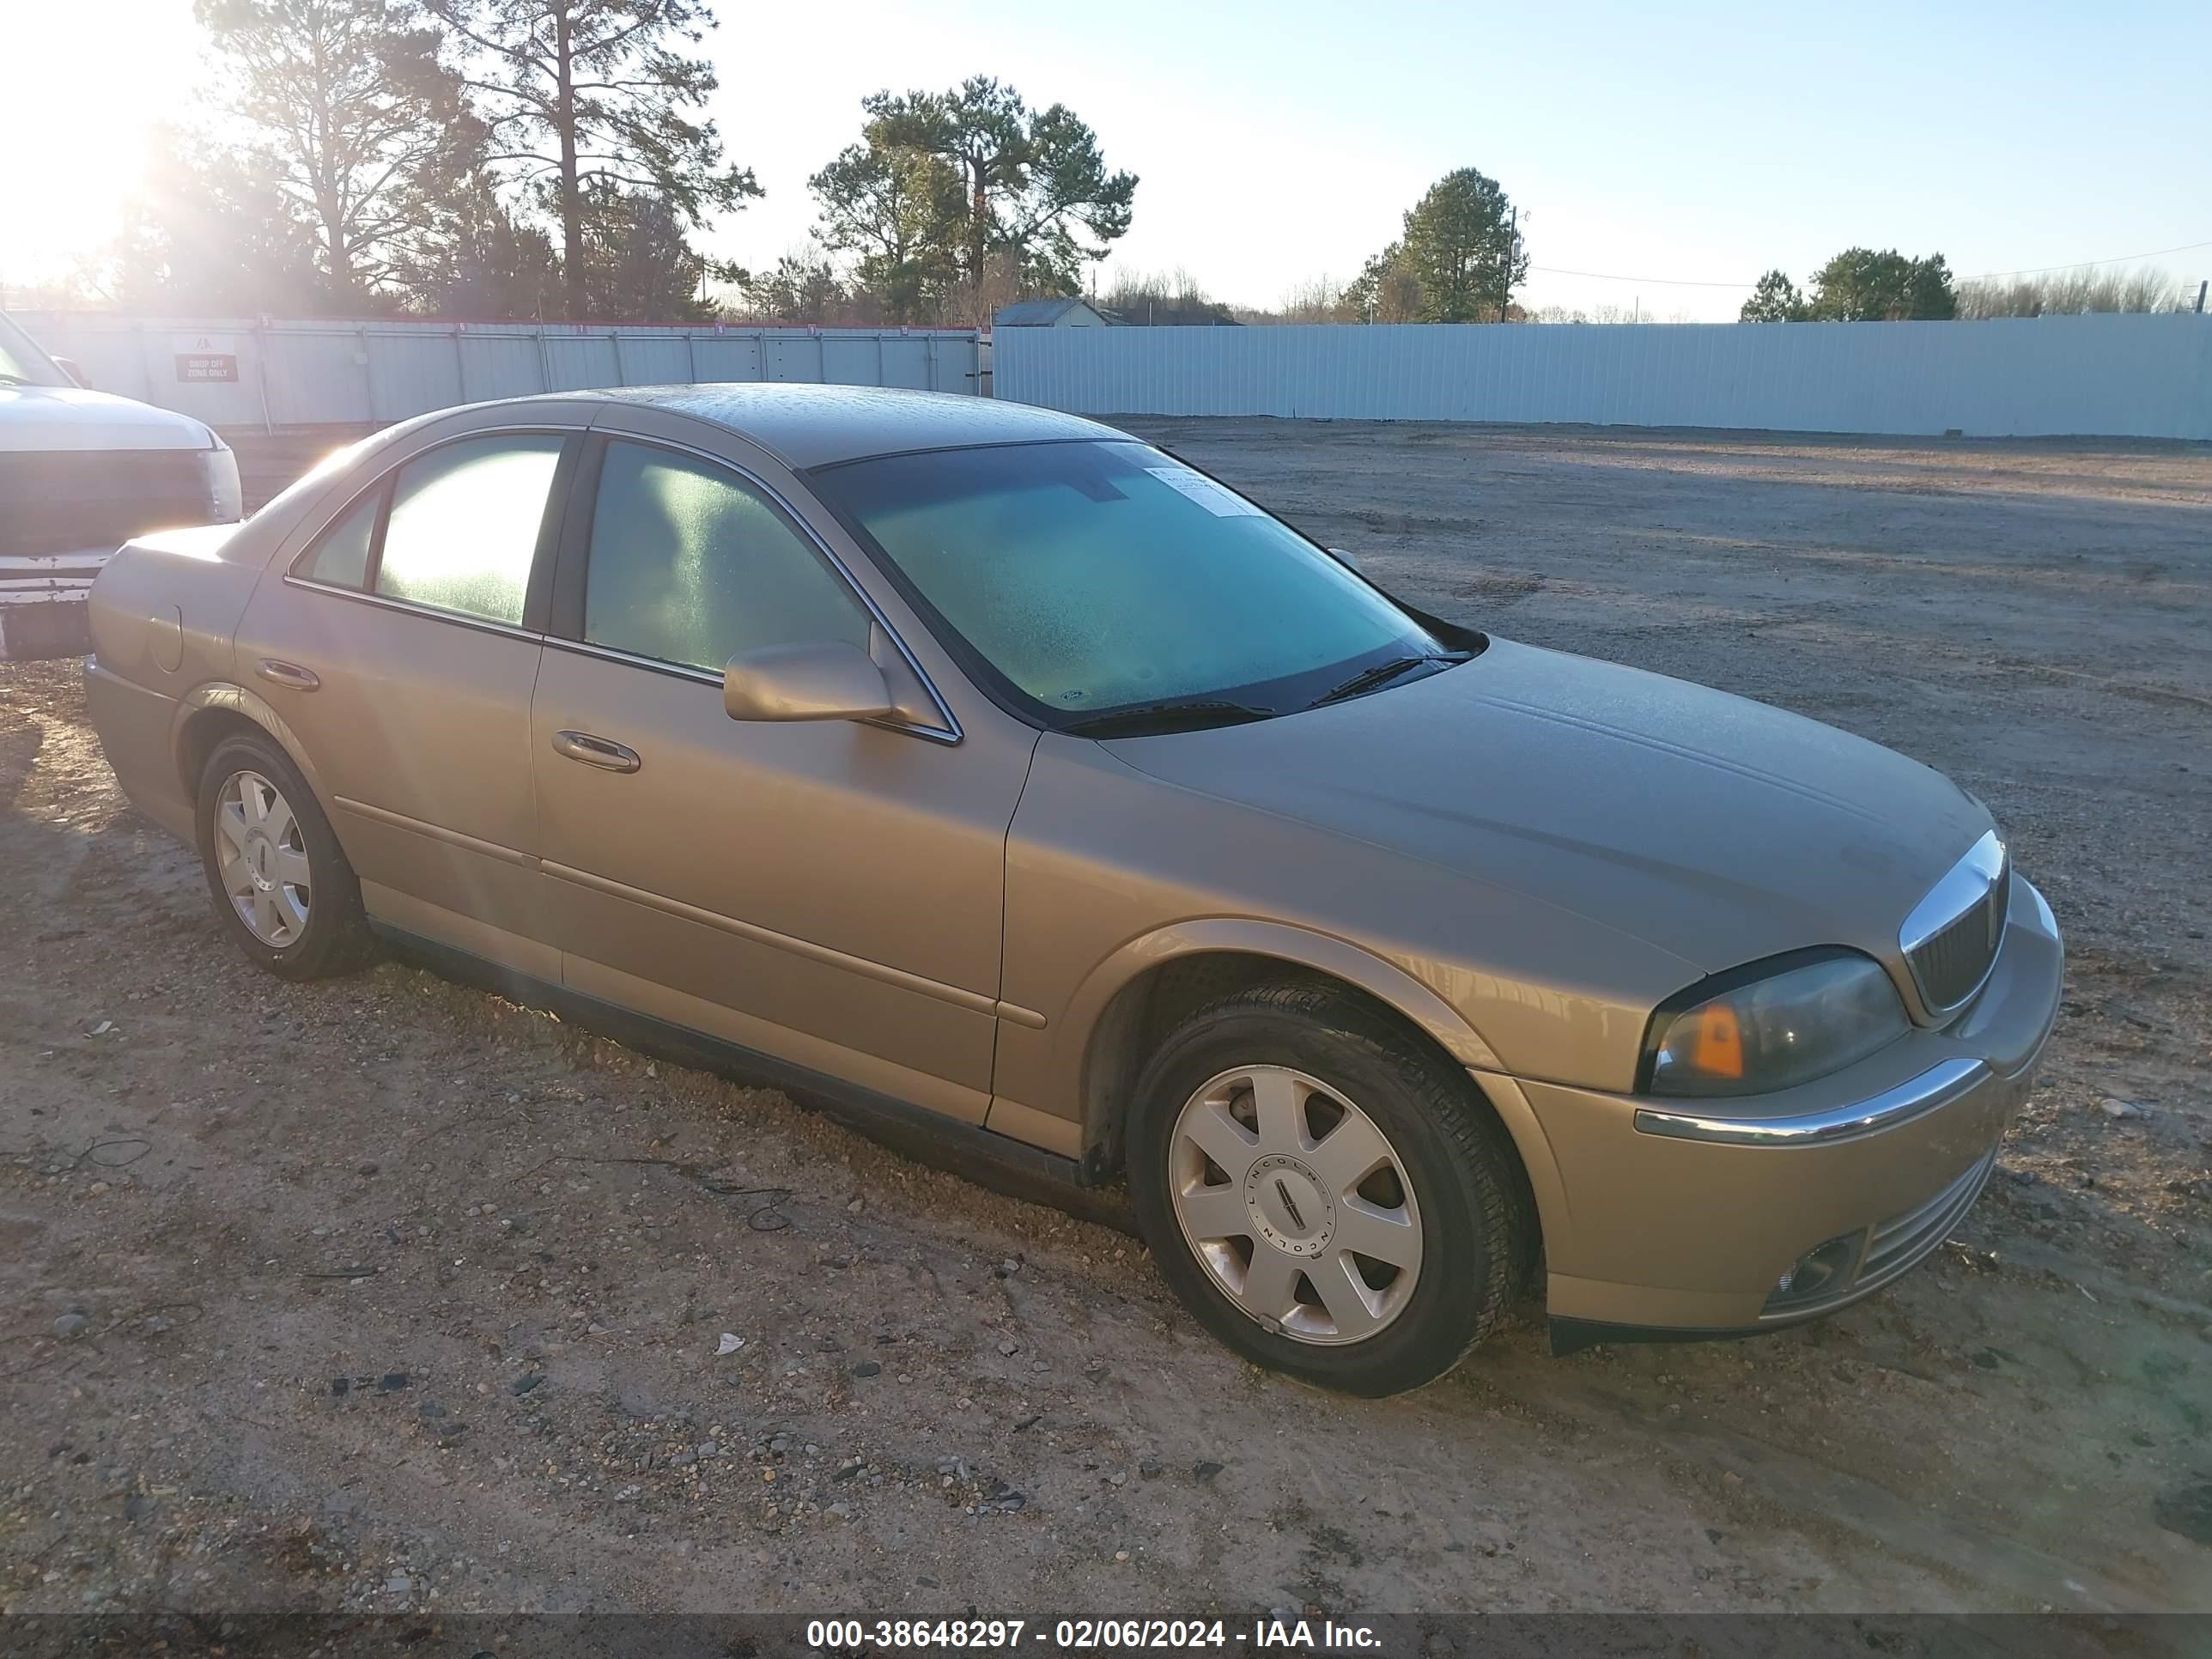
(1173, 298)
(350, 113)
(1317, 300)
(2068, 293)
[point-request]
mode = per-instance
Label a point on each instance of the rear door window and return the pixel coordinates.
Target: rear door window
(465, 524)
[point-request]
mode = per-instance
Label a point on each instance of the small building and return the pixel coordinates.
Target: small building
(1069, 312)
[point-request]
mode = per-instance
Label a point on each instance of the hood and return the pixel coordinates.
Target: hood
(46, 418)
(1718, 828)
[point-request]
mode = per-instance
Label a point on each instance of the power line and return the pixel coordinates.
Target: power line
(1980, 275)
(2083, 264)
(1667, 281)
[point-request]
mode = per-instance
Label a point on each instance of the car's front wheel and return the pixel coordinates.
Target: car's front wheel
(280, 883)
(1331, 1198)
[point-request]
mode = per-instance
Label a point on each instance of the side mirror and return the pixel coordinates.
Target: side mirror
(1349, 561)
(69, 367)
(830, 681)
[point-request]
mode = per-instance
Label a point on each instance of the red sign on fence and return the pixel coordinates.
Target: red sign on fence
(200, 368)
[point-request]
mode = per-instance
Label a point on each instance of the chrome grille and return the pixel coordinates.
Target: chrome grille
(1950, 940)
(59, 503)
(1949, 966)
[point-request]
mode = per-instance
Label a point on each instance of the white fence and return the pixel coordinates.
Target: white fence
(240, 373)
(2108, 376)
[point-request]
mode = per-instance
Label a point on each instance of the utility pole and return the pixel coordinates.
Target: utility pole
(1512, 253)
(2201, 287)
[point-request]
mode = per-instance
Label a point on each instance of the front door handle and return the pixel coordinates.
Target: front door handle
(596, 751)
(290, 674)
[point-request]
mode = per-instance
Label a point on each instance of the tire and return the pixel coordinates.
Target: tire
(1454, 1186)
(302, 929)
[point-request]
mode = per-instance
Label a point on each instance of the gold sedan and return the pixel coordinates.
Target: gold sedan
(1014, 788)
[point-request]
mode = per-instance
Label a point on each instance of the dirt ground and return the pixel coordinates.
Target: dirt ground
(385, 1294)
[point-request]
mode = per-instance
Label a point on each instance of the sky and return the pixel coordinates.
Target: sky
(1683, 150)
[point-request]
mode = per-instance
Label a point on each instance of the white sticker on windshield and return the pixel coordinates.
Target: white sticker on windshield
(1207, 494)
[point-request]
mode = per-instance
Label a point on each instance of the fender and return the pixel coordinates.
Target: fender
(222, 696)
(1323, 952)
(1388, 982)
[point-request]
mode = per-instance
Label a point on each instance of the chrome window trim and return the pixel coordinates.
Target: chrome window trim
(632, 660)
(952, 733)
(459, 619)
(384, 475)
(1935, 1088)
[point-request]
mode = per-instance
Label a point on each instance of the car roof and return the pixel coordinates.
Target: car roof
(806, 425)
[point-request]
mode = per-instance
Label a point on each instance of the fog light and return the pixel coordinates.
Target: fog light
(1822, 1272)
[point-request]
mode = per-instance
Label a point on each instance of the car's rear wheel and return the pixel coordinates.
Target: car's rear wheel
(1329, 1196)
(279, 881)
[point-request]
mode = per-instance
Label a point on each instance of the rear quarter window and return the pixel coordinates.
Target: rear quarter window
(340, 555)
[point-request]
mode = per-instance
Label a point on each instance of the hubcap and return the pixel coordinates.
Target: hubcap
(1296, 1203)
(262, 860)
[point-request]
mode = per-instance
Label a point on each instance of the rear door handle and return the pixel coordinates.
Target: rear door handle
(277, 673)
(596, 751)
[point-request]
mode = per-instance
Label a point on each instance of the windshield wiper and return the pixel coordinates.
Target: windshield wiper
(6, 378)
(1378, 674)
(1179, 714)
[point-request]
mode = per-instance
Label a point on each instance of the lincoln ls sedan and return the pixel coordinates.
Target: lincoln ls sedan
(1009, 786)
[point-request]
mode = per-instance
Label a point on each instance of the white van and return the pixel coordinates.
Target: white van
(81, 473)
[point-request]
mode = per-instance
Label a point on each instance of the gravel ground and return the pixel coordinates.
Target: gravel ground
(385, 1294)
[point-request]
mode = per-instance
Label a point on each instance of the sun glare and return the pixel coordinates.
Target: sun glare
(74, 134)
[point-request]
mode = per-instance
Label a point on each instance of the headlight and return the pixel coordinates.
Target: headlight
(226, 501)
(1786, 1025)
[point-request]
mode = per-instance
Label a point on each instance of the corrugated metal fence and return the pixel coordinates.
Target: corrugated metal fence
(241, 373)
(2109, 376)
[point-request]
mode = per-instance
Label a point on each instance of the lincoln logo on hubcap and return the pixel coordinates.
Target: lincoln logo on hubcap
(1289, 1206)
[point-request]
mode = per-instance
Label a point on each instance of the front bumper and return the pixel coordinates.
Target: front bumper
(1675, 1219)
(42, 603)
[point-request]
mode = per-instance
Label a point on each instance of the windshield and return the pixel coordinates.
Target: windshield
(1095, 577)
(22, 363)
